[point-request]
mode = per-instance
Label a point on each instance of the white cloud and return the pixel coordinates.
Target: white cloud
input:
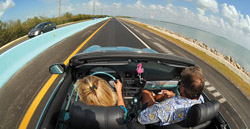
(93, 3)
(211, 20)
(156, 7)
(230, 13)
(201, 16)
(211, 5)
(160, 7)
(171, 13)
(214, 20)
(139, 4)
(170, 8)
(184, 16)
(4, 6)
(117, 5)
(138, 9)
(235, 18)
(105, 6)
(67, 8)
(186, 11)
(153, 7)
(248, 19)
(200, 11)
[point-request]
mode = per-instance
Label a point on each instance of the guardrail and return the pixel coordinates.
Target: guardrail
(15, 58)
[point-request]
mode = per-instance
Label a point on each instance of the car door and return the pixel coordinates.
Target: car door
(50, 26)
(46, 27)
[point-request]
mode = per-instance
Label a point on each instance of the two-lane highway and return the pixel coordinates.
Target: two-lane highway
(18, 93)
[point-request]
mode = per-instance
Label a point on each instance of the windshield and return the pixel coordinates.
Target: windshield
(39, 26)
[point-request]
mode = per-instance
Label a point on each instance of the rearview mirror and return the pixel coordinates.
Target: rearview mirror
(57, 69)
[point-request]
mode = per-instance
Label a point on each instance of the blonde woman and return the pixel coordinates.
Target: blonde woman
(93, 90)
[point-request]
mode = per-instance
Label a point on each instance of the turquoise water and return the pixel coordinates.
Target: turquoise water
(223, 45)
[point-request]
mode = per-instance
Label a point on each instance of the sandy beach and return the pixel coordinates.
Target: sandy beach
(224, 59)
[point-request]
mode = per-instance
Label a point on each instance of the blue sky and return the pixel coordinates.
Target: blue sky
(227, 18)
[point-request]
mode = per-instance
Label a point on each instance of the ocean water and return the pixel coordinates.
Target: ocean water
(223, 45)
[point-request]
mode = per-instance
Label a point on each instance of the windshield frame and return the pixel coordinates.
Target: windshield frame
(109, 56)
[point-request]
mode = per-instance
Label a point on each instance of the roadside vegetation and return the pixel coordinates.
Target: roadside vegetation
(228, 73)
(12, 30)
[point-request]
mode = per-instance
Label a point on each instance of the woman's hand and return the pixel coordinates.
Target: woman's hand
(118, 87)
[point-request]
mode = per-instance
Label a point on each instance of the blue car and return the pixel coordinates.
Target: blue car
(161, 71)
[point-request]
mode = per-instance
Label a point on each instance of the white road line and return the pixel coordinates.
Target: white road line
(211, 88)
(238, 115)
(216, 94)
(207, 83)
(158, 39)
(222, 100)
(163, 48)
(232, 118)
(154, 42)
(136, 36)
(171, 53)
(144, 35)
(137, 30)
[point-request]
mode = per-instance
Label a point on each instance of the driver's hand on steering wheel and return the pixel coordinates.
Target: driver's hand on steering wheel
(118, 86)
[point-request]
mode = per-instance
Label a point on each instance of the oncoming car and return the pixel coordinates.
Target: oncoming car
(41, 28)
(161, 71)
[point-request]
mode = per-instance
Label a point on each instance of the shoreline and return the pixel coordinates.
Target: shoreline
(226, 61)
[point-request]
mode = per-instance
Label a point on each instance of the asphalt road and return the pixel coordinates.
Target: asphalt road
(18, 93)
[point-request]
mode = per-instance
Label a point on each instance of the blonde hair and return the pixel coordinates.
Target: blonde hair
(93, 90)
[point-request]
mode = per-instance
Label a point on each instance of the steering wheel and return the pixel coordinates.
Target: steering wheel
(105, 73)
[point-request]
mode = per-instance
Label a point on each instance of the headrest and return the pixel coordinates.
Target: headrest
(95, 117)
(201, 113)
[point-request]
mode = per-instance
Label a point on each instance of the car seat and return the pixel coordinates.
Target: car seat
(199, 117)
(83, 116)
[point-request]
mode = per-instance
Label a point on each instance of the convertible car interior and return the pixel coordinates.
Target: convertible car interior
(160, 71)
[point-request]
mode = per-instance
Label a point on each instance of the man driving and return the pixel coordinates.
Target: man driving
(168, 108)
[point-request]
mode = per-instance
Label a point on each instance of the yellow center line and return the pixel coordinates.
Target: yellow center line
(43, 91)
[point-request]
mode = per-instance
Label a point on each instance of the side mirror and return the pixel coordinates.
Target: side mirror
(57, 69)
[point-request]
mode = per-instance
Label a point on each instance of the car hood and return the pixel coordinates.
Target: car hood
(97, 48)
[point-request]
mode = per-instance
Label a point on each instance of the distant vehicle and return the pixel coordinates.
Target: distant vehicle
(41, 28)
